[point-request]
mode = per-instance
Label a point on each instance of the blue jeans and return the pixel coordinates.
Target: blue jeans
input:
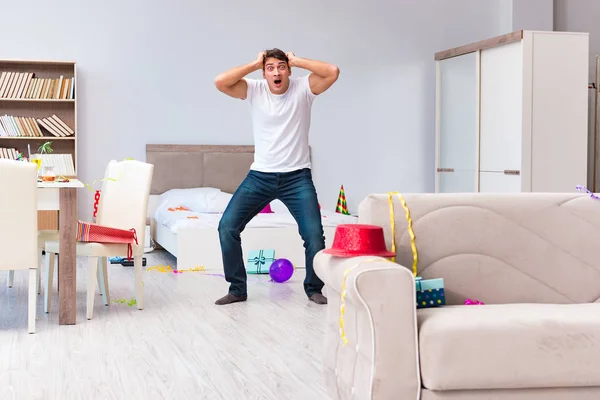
(296, 190)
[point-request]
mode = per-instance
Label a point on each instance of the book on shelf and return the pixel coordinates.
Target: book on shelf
(24, 85)
(62, 163)
(11, 126)
(10, 154)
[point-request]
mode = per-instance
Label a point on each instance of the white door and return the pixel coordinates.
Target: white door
(457, 182)
(501, 108)
(499, 182)
(457, 123)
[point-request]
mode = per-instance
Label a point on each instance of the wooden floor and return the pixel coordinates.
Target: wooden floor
(181, 346)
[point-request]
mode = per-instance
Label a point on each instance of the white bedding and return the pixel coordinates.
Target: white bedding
(203, 208)
(178, 219)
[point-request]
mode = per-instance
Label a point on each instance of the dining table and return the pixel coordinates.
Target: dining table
(61, 196)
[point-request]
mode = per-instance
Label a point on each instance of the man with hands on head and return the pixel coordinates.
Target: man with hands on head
(281, 113)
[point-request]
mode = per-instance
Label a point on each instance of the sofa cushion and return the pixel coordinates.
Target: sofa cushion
(509, 346)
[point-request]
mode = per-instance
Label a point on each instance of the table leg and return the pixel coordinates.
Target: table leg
(67, 261)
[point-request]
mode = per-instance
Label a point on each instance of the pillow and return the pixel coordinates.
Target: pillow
(208, 204)
(199, 197)
(217, 204)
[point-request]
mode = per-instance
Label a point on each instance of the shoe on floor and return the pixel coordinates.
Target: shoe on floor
(318, 298)
(230, 298)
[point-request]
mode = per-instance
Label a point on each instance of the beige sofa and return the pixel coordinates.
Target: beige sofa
(532, 258)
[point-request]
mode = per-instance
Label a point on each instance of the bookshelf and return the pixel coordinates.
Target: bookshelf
(38, 103)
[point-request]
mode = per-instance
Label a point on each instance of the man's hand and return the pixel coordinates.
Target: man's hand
(323, 74)
(231, 83)
(291, 59)
(260, 59)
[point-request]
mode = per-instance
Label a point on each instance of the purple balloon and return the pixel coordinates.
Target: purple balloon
(281, 270)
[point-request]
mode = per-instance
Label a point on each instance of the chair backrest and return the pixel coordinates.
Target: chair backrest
(18, 215)
(124, 198)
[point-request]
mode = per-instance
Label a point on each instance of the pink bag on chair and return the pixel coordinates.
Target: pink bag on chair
(90, 232)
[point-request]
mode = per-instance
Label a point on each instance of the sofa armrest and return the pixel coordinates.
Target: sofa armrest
(380, 360)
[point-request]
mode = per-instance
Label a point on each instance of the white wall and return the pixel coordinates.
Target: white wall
(534, 15)
(146, 72)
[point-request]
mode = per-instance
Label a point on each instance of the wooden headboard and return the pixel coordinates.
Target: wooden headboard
(188, 166)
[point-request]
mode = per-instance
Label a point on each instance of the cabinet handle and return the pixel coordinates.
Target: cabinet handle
(512, 172)
(445, 170)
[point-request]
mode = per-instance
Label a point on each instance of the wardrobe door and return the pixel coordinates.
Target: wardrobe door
(456, 105)
(501, 108)
(499, 182)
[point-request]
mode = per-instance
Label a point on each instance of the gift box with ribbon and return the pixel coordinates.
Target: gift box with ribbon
(430, 292)
(90, 232)
(259, 261)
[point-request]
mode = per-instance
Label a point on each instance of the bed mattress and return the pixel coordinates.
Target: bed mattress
(178, 218)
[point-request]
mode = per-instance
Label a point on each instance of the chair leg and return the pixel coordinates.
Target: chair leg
(50, 257)
(103, 280)
(32, 299)
(39, 272)
(11, 278)
(91, 290)
(139, 294)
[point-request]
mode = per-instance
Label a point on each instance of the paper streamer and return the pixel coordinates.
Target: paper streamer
(180, 208)
(101, 180)
(470, 302)
(343, 295)
(584, 189)
(393, 259)
(106, 179)
(410, 229)
(167, 268)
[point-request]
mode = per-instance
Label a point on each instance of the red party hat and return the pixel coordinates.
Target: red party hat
(352, 240)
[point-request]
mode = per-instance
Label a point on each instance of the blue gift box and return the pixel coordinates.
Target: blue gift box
(430, 292)
(259, 261)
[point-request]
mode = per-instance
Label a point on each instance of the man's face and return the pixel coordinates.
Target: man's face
(277, 73)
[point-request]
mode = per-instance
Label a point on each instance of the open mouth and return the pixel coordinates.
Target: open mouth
(277, 81)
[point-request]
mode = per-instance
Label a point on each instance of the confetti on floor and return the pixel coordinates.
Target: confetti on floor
(167, 268)
(130, 303)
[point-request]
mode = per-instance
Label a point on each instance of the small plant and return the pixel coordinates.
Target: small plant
(46, 148)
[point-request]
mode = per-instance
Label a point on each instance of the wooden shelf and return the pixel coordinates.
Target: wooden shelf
(38, 62)
(37, 97)
(45, 138)
(40, 100)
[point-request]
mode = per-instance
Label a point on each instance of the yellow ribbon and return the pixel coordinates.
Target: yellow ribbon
(167, 268)
(343, 296)
(101, 180)
(106, 179)
(393, 226)
(411, 233)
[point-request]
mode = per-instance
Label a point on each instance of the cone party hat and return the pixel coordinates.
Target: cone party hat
(342, 207)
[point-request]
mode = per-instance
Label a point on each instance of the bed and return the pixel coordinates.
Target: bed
(191, 188)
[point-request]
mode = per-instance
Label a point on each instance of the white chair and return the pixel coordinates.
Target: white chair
(43, 237)
(18, 224)
(123, 204)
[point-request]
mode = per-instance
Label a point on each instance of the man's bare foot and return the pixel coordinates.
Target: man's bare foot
(230, 298)
(318, 298)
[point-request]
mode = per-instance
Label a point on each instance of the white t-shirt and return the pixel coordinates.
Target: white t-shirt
(280, 124)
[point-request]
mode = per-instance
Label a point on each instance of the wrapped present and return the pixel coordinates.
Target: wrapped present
(90, 232)
(430, 292)
(259, 261)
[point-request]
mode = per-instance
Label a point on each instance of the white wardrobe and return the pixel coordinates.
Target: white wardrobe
(512, 114)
